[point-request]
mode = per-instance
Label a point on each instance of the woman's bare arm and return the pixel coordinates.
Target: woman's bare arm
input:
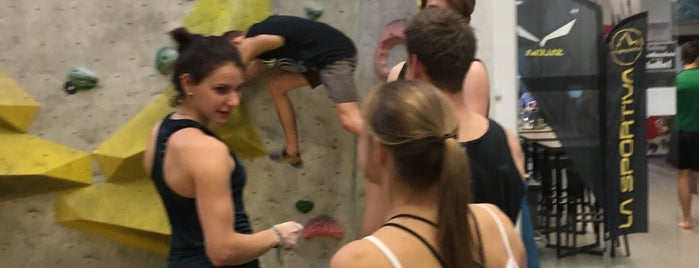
(208, 162)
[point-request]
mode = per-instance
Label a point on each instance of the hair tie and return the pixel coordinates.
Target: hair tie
(449, 136)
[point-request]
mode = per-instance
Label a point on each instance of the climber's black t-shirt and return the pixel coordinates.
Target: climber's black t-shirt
(307, 45)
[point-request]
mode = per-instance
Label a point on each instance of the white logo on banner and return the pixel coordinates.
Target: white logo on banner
(560, 32)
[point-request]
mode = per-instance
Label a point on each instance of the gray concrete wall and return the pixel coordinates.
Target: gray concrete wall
(43, 39)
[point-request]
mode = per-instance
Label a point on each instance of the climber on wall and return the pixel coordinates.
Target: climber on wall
(305, 52)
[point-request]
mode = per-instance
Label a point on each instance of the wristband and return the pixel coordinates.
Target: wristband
(279, 235)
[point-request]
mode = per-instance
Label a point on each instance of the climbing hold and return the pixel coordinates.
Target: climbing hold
(391, 36)
(323, 225)
(165, 59)
(304, 206)
(313, 11)
(69, 88)
(82, 78)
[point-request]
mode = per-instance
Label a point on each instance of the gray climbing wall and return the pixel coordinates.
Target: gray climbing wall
(43, 39)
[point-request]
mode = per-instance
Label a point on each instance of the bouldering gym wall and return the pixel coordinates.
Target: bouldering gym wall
(79, 92)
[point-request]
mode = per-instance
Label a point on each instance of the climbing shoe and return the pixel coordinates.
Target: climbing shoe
(282, 156)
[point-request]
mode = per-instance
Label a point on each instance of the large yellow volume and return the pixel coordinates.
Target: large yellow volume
(31, 165)
(127, 208)
(130, 213)
(214, 17)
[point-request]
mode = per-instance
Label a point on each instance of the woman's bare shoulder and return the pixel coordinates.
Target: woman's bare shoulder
(358, 253)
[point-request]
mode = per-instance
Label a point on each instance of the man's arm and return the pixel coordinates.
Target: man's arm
(253, 69)
(476, 89)
(251, 47)
(516, 151)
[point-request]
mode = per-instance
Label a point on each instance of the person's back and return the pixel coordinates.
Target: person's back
(496, 243)
(309, 43)
(496, 177)
(410, 151)
(688, 99)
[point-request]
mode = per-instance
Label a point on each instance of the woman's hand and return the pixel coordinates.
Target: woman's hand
(288, 233)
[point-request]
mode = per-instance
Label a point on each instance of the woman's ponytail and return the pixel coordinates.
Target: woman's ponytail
(454, 235)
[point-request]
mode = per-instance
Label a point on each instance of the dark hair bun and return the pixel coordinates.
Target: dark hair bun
(182, 37)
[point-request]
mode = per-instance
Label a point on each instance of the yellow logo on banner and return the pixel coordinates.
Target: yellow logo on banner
(542, 52)
(626, 46)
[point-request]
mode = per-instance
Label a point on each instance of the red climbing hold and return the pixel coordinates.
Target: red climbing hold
(323, 226)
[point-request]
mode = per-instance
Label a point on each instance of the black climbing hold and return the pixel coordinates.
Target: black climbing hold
(70, 88)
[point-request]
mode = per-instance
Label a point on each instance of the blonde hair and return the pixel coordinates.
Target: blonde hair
(418, 126)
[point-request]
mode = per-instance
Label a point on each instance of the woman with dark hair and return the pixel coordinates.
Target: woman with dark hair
(199, 179)
(409, 149)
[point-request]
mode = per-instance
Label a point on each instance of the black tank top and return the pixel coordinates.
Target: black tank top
(187, 241)
(494, 175)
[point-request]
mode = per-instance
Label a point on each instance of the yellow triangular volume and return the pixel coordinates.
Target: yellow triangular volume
(17, 108)
(214, 17)
(129, 213)
(24, 154)
(120, 155)
(245, 13)
(25, 158)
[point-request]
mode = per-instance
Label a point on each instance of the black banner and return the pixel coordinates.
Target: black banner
(560, 64)
(626, 202)
(558, 38)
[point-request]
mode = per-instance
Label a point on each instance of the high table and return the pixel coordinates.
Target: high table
(535, 130)
(529, 139)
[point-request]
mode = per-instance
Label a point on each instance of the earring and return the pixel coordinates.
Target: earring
(189, 94)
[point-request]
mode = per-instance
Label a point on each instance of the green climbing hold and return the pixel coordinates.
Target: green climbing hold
(304, 206)
(82, 78)
(165, 60)
(313, 11)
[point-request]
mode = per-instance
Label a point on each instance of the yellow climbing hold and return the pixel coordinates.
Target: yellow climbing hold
(17, 108)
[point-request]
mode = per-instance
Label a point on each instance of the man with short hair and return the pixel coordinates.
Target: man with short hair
(440, 51)
(441, 47)
(687, 122)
